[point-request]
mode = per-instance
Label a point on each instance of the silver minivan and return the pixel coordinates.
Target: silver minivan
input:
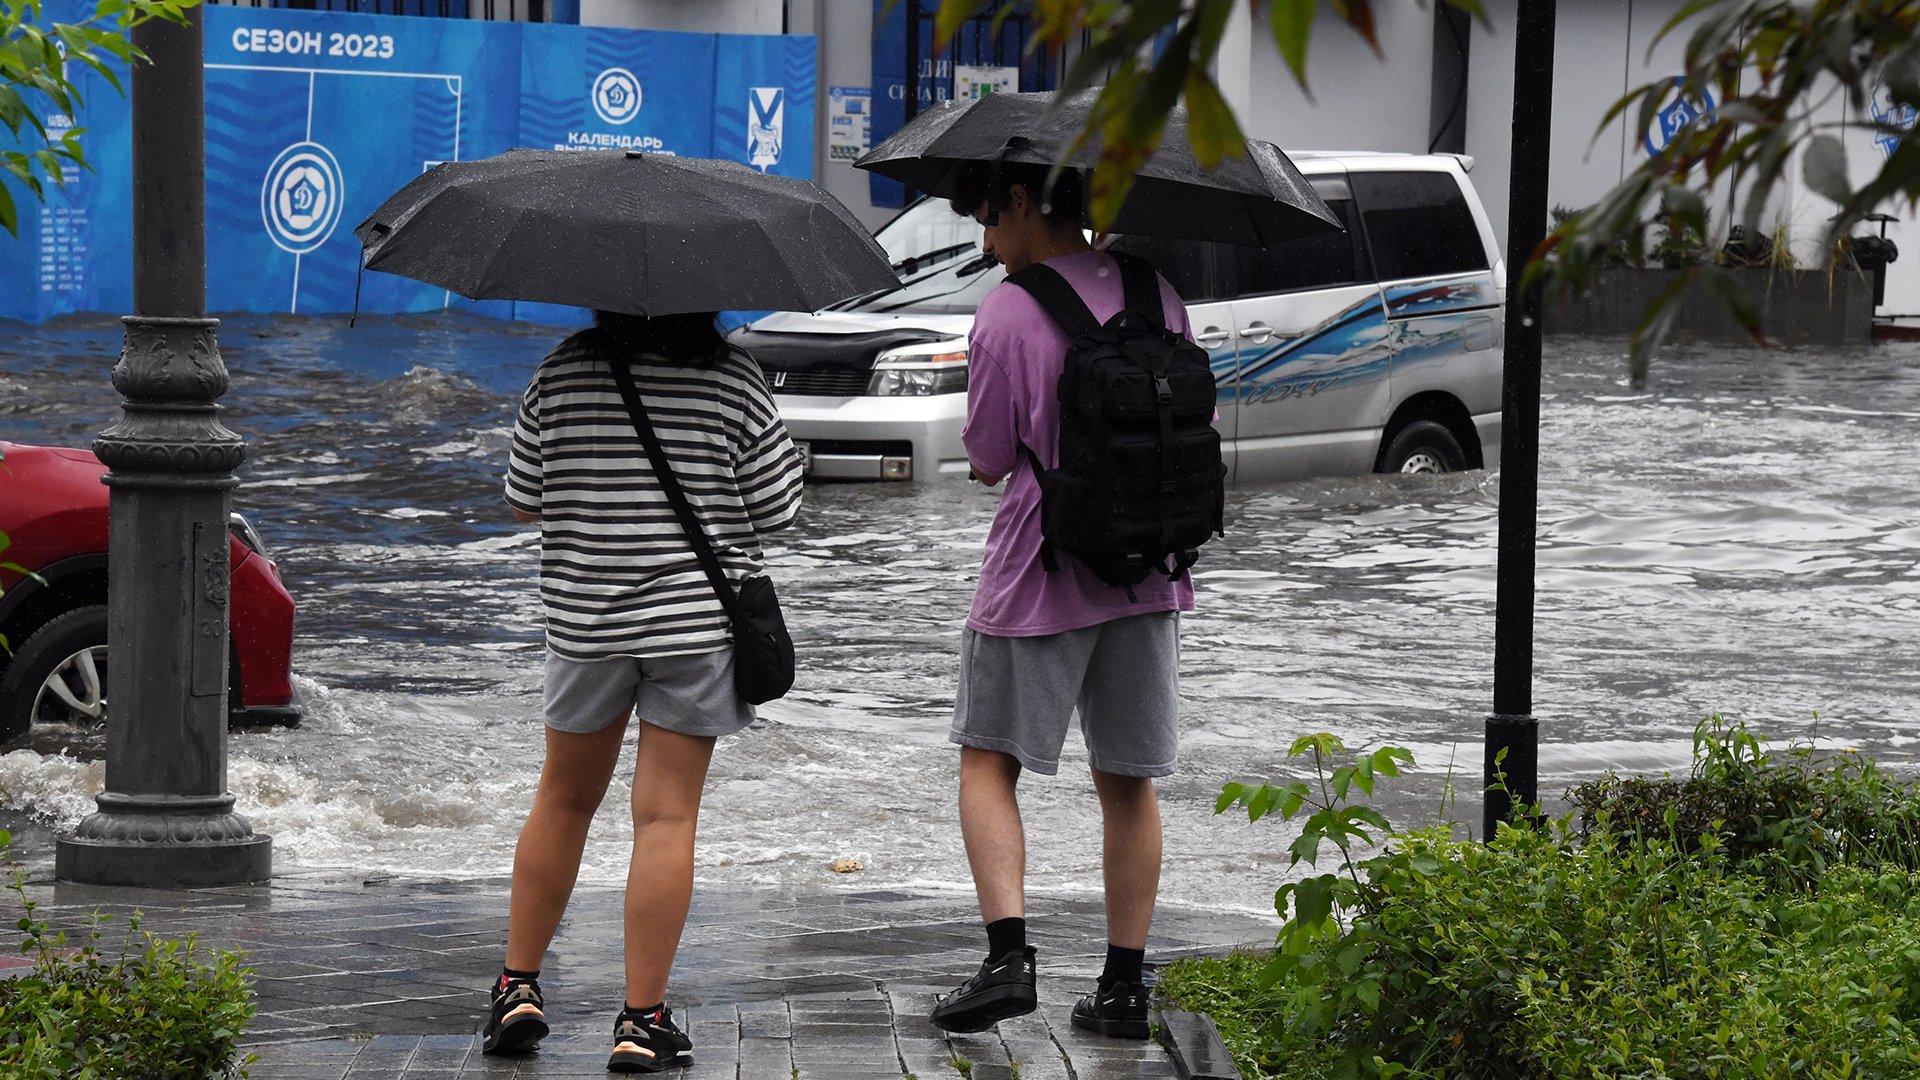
(1376, 349)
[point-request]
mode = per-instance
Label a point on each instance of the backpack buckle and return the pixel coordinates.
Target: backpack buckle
(1163, 389)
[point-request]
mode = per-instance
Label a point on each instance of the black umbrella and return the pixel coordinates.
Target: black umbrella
(1259, 199)
(647, 234)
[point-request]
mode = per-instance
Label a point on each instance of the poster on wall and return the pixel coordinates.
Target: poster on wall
(603, 89)
(849, 122)
(971, 83)
(314, 118)
(763, 103)
(293, 163)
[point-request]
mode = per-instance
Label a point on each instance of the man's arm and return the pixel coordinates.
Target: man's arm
(522, 516)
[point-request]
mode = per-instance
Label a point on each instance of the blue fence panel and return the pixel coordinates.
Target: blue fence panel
(314, 118)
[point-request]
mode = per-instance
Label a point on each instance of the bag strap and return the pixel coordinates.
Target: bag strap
(676, 497)
(1140, 286)
(1058, 298)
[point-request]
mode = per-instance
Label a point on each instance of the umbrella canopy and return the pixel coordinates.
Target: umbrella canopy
(1259, 199)
(647, 234)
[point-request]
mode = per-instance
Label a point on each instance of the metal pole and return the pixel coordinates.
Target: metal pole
(1512, 730)
(166, 818)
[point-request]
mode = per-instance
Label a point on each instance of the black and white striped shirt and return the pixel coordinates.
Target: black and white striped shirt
(617, 573)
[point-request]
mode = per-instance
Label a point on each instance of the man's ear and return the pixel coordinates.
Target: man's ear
(1019, 200)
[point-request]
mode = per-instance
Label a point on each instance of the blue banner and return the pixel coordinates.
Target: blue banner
(315, 118)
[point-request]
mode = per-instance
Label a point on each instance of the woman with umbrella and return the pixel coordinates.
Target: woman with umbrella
(653, 458)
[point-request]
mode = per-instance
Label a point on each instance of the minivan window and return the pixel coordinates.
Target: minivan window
(1320, 261)
(954, 285)
(1418, 224)
(1182, 262)
(928, 226)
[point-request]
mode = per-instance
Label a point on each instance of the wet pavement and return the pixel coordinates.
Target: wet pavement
(384, 977)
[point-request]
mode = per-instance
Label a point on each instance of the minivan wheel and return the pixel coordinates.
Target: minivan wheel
(1423, 446)
(58, 676)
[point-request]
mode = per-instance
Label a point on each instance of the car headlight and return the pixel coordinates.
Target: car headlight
(243, 531)
(932, 367)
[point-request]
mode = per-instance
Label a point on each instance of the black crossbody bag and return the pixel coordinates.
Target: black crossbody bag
(762, 649)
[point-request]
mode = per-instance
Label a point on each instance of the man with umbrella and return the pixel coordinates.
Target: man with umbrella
(1065, 619)
(653, 458)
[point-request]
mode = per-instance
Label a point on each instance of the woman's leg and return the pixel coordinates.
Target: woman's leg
(547, 859)
(669, 774)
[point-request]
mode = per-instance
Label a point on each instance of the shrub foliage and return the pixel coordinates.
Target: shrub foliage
(1760, 918)
(154, 1010)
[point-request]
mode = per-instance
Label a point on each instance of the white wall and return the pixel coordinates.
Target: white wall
(696, 16)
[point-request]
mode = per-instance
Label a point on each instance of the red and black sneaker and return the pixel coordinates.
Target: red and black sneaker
(517, 1021)
(648, 1042)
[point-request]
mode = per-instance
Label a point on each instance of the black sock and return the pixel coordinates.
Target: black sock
(651, 1013)
(1006, 935)
(507, 973)
(1123, 965)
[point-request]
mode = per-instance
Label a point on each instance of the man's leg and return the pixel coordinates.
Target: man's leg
(1130, 837)
(990, 826)
(547, 859)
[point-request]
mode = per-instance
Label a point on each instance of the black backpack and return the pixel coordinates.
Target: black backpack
(1141, 484)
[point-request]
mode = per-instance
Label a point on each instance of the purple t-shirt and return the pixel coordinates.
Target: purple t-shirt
(1014, 358)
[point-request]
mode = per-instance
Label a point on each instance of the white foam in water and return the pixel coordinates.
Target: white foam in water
(50, 787)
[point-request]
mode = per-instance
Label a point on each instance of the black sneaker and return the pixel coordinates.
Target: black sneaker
(1118, 1011)
(518, 1020)
(1002, 989)
(645, 1043)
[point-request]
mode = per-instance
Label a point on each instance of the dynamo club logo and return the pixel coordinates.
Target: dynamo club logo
(301, 199)
(616, 95)
(1677, 116)
(766, 124)
(1895, 120)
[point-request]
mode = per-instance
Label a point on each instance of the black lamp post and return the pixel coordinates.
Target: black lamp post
(1513, 734)
(166, 818)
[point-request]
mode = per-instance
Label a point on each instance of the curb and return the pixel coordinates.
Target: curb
(1195, 1046)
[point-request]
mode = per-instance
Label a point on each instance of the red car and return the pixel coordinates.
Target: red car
(53, 601)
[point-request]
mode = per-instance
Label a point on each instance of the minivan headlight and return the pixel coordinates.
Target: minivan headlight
(919, 370)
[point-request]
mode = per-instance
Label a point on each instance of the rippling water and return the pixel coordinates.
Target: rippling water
(1740, 536)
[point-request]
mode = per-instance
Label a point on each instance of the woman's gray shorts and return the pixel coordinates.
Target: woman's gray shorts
(1018, 693)
(691, 694)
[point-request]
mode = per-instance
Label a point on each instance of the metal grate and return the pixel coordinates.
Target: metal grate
(834, 383)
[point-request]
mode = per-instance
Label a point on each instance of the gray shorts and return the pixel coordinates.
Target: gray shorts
(1018, 693)
(691, 694)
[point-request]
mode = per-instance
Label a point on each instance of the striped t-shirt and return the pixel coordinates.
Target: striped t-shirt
(618, 575)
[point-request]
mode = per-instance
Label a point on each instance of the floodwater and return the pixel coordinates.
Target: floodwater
(1740, 536)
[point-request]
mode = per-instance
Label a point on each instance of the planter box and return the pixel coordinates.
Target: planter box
(1797, 307)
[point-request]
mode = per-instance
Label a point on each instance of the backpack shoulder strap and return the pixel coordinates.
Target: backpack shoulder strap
(1141, 285)
(1057, 297)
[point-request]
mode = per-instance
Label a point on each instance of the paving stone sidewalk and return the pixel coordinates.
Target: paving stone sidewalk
(388, 978)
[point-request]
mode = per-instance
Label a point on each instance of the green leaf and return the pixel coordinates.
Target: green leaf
(953, 14)
(1292, 28)
(1211, 128)
(1825, 168)
(1313, 901)
(8, 218)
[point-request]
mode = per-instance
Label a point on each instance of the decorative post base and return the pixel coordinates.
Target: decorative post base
(166, 818)
(163, 842)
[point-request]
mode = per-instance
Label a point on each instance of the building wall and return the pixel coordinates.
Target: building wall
(697, 16)
(1357, 100)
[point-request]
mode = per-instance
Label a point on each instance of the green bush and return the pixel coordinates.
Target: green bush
(1629, 946)
(153, 1011)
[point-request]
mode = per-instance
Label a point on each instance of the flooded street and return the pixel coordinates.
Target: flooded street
(1741, 536)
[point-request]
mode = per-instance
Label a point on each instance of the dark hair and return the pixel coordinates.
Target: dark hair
(989, 184)
(692, 339)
